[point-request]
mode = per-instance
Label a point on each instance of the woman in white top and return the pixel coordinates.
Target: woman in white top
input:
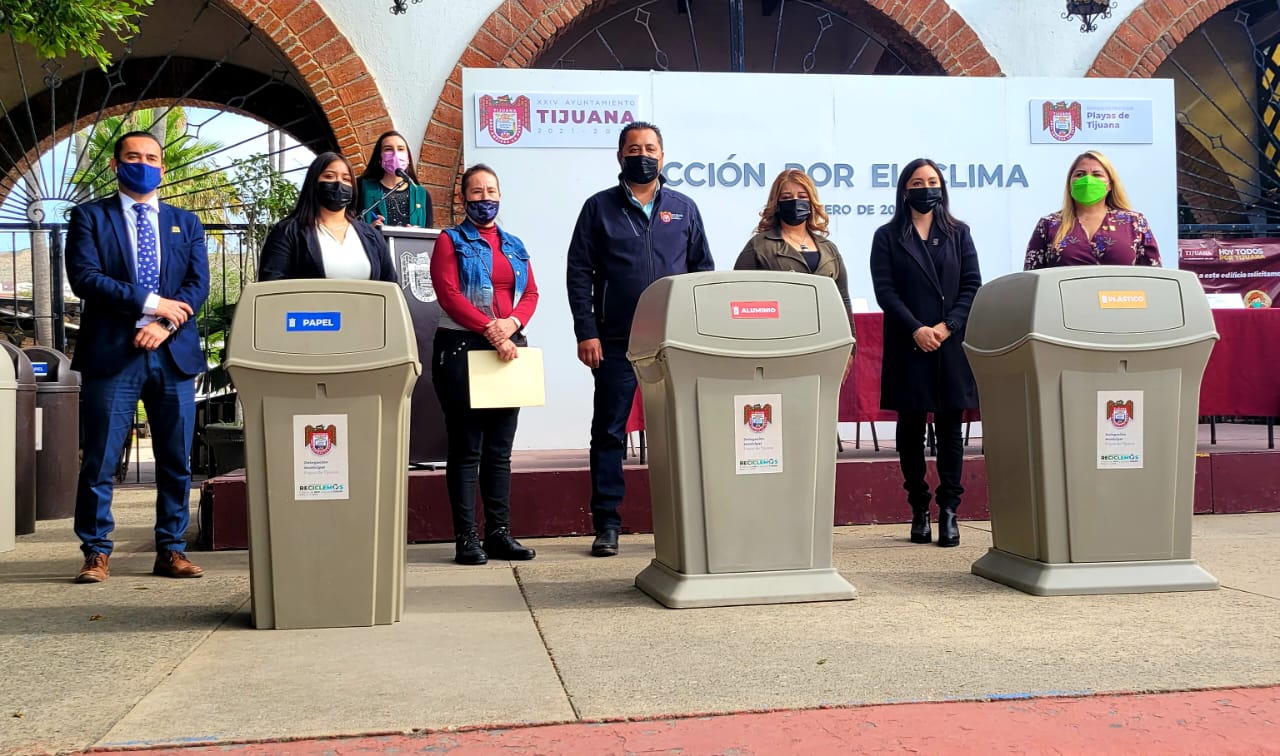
(322, 237)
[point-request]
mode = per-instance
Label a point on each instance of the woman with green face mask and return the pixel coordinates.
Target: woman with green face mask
(1096, 225)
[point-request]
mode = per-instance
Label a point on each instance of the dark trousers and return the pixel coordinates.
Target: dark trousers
(615, 391)
(950, 440)
(107, 405)
(479, 439)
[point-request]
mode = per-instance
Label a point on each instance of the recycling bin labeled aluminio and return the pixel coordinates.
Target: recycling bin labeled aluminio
(24, 435)
(57, 432)
(8, 453)
(325, 370)
(740, 374)
(1089, 380)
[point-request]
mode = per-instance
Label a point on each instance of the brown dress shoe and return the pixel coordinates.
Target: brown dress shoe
(95, 569)
(175, 564)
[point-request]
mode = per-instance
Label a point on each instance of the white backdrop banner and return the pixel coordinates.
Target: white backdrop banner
(726, 136)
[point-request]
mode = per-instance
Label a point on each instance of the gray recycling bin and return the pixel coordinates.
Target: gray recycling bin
(57, 432)
(740, 373)
(1089, 379)
(324, 370)
(8, 452)
(24, 477)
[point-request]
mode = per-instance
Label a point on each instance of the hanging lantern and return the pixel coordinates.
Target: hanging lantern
(1088, 11)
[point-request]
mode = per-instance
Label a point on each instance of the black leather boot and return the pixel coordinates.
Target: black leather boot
(467, 549)
(948, 529)
(920, 532)
(500, 544)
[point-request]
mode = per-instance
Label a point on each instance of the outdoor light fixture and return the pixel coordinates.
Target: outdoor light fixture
(1089, 11)
(401, 6)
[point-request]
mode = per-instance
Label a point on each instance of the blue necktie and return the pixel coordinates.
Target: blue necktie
(148, 260)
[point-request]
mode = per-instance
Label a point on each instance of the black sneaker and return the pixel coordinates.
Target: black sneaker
(501, 545)
(467, 549)
(606, 543)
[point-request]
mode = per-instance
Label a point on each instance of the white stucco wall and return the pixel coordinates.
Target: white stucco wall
(411, 56)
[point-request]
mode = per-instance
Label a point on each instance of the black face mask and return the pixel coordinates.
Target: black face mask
(924, 199)
(335, 195)
(639, 169)
(794, 212)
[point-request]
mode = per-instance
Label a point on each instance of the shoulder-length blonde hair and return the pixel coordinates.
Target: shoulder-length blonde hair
(817, 223)
(1116, 199)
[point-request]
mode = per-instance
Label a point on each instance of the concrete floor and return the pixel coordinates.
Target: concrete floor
(142, 661)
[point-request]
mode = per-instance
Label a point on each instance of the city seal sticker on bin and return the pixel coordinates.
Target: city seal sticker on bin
(1122, 300)
(751, 310)
(313, 321)
(40, 369)
(759, 436)
(320, 464)
(1120, 442)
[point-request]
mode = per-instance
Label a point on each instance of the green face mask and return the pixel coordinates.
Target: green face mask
(1088, 190)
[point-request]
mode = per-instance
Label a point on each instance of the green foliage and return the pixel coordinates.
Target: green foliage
(58, 27)
(266, 196)
(191, 181)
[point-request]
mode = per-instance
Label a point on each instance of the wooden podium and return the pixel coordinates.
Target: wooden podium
(411, 253)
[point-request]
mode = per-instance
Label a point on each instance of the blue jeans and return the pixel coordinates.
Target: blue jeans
(615, 391)
(107, 404)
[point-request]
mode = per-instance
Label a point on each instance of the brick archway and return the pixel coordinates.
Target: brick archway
(1149, 34)
(517, 32)
(330, 66)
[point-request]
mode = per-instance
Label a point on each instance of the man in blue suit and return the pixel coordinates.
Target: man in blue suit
(141, 271)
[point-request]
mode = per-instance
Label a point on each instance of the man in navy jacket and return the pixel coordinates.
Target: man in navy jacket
(141, 271)
(627, 237)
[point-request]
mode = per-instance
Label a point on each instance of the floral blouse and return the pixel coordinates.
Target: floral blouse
(1123, 238)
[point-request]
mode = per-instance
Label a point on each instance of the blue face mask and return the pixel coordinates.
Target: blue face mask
(138, 178)
(482, 212)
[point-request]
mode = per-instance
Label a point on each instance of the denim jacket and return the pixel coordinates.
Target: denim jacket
(475, 265)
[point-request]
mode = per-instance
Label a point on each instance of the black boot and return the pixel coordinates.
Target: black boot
(500, 544)
(467, 549)
(920, 532)
(948, 529)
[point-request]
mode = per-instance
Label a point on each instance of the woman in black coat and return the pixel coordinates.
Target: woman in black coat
(322, 237)
(925, 272)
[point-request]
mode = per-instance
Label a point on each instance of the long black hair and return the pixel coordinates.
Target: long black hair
(373, 169)
(307, 212)
(943, 220)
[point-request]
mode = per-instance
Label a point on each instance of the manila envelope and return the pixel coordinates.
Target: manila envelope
(495, 383)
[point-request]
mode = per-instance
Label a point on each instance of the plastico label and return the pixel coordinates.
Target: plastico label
(1122, 300)
(741, 310)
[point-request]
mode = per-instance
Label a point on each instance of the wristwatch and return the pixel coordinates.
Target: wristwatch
(951, 325)
(171, 328)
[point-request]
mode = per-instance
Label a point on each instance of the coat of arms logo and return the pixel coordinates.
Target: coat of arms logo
(1119, 413)
(320, 439)
(504, 118)
(415, 275)
(757, 417)
(1062, 119)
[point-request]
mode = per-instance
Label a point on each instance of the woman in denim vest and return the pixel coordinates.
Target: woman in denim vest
(485, 286)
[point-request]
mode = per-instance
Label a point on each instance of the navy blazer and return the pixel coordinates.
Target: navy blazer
(100, 267)
(294, 252)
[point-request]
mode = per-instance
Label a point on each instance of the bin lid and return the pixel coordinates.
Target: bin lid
(21, 366)
(318, 325)
(52, 369)
(8, 376)
(1106, 307)
(740, 313)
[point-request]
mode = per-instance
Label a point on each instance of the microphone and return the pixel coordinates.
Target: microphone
(402, 173)
(372, 211)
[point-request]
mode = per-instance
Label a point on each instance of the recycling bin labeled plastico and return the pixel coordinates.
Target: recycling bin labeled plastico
(740, 374)
(24, 423)
(57, 432)
(1089, 381)
(325, 370)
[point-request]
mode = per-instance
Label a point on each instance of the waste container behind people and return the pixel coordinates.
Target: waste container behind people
(57, 432)
(324, 370)
(1089, 379)
(8, 439)
(24, 478)
(740, 373)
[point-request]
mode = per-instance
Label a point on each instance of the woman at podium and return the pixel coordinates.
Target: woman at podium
(322, 237)
(484, 282)
(792, 235)
(924, 270)
(1096, 225)
(390, 193)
